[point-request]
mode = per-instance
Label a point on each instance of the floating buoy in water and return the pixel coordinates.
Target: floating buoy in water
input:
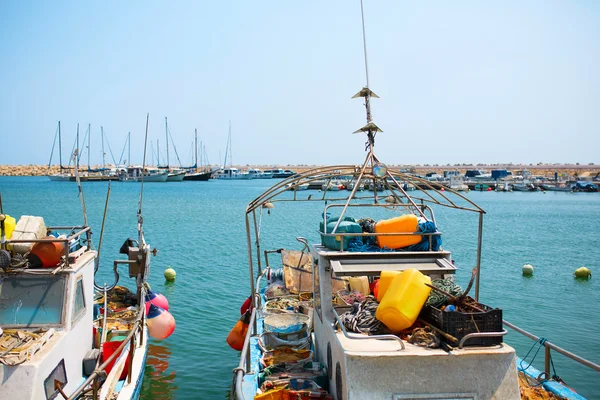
(160, 322)
(583, 272)
(527, 269)
(170, 274)
(156, 298)
(237, 335)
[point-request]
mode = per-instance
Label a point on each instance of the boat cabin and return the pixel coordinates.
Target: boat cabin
(46, 315)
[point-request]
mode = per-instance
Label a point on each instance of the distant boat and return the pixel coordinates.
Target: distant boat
(555, 188)
(524, 187)
(193, 173)
(133, 173)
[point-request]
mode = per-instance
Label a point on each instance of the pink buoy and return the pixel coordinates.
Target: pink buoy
(157, 299)
(160, 322)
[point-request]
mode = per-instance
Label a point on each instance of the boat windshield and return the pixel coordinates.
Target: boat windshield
(30, 301)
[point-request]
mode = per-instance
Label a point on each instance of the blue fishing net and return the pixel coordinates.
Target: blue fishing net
(357, 244)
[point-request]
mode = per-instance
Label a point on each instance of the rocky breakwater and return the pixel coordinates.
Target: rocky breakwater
(28, 170)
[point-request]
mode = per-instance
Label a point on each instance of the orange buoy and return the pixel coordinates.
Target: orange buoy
(48, 253)
(237, 335)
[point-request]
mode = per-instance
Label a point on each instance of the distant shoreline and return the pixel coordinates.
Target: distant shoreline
(547, 170)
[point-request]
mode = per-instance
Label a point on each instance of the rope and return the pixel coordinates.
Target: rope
(361, 318)
(436, 298)
(540, 343)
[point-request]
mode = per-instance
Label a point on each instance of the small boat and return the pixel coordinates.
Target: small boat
(133, 173)
(458, 183)
(301, 186)
(175, 175)
(229, 173)
(556, 188)
(198, 176)
(63, 335)
(524, 187)
(333, 186)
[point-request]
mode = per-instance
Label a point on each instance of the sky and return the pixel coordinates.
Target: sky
(459, 82)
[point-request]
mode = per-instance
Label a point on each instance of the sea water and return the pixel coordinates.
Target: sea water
(199, 230)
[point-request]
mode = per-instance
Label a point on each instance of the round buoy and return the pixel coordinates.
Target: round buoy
(161, 323)
(156, 298)
(170, 274)
(583, 272)
(527, 269)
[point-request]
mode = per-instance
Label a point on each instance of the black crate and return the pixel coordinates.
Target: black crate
(460, 324)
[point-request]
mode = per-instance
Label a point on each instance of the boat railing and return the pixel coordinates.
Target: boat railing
(100, 371)
(548, 346)
(77, 232)
(244, 364)
(364, 337)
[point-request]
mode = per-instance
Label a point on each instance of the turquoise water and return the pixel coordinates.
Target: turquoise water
(199, 230)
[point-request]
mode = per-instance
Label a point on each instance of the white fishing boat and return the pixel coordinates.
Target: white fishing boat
(62, 335)
(360, 313)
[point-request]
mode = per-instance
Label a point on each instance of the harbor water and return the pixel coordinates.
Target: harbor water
(199, 230)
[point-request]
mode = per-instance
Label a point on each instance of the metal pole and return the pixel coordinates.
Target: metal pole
(102, 135)
(478, 265)
(88, 146)
(547, 361)
(167, 139)
(59, 148)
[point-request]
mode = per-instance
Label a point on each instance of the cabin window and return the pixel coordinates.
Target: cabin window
(79, 302)
(29, 301)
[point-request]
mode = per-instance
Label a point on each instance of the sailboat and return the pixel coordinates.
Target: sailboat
(174, 174)
(230, 172)
(193, 173)
(62, 175)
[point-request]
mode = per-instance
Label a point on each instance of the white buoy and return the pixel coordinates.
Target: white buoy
(583, 272)
(527, 269)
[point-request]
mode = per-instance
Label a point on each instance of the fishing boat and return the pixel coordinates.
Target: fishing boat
(62, 335)
(370, 308)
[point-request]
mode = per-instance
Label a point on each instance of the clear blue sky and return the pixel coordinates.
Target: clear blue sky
(462, 81)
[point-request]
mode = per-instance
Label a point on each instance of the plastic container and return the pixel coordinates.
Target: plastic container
(360, 284)
(407, 223)
(9, 226)
(28, 228)
(334, 242)
(49, 253)
(460, 324)
(385, 279)
(403, 300)
(108, 348)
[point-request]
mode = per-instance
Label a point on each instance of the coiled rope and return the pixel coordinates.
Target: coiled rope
(436, 298)
(361, 318)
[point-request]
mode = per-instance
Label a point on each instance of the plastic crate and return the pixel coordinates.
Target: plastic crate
(460, 324)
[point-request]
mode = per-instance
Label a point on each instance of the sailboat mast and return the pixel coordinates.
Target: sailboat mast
(167, 139)
(88, 146)
(196, 149)
(157, 153)
(129, 148)
(78, 151)
(59, 148)
(229, 145)
(103, 154)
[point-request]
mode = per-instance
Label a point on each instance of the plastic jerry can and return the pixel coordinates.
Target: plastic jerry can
(334, 242)
(9, 226)
(403, 300)
(405, 223)
(332, 219)
(360, 284)
(385, 280)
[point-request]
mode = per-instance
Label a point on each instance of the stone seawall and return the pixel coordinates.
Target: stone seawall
(544, 170)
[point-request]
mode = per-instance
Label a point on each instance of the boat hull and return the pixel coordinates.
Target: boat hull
(198, 176)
